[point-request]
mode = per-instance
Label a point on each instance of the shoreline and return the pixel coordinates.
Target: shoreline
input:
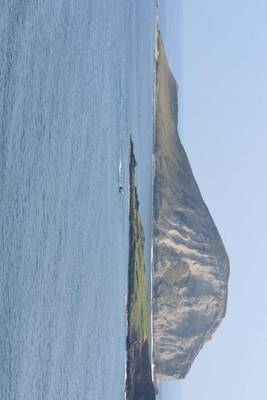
(129, 393)
(156, 53)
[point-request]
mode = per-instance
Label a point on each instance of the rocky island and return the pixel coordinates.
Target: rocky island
(191, 267)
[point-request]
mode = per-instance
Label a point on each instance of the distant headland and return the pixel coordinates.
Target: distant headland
(139, 384)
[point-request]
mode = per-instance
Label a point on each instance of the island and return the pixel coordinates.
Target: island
(191, 266)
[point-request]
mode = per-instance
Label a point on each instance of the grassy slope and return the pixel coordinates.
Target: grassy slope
(139, 381)
(140, 316)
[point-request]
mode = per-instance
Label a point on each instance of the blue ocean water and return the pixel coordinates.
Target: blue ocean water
(75, 82)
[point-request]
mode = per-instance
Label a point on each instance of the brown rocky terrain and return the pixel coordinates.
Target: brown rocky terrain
(191, 267)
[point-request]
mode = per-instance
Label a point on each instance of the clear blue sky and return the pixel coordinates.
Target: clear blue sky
(218, 53)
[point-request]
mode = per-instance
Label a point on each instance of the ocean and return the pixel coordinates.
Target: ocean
(76, 80)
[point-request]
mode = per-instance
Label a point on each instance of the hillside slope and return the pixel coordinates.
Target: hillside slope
(191, 267)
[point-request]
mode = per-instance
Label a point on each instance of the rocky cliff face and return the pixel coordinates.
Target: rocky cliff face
(191, 267)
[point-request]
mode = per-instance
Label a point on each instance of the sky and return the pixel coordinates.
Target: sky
(218, 53)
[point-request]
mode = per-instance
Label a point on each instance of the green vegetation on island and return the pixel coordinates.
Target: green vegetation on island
(139, 385)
